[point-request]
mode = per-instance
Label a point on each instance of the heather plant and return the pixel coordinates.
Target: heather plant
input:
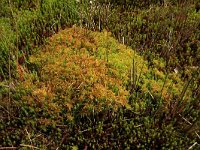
(31, 22)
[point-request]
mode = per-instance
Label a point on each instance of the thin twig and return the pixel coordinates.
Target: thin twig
(86, 130)
(197, 134)
(62, 126)
(29, 146)
(192, 145)
(6, 86)
(29, 137)
(5, 109)
(191, 125)
(3, 148)
(150, 94)
(138, 126)
(9, 91)
(185, 120)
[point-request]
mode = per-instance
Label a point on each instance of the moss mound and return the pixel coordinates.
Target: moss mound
(90, 71)
(74, 73)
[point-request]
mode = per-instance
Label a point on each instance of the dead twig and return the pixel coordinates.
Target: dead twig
(3, 148)
(197, 134)
(192, 145)
(29, 146)
(29, 137)
(185, 120)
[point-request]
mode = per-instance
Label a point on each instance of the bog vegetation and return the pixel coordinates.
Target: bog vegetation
(99, 74)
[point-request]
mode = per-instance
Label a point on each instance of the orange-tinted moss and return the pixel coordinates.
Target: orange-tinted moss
(81, 67)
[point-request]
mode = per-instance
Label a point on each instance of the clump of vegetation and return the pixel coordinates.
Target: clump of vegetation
(74, 77)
